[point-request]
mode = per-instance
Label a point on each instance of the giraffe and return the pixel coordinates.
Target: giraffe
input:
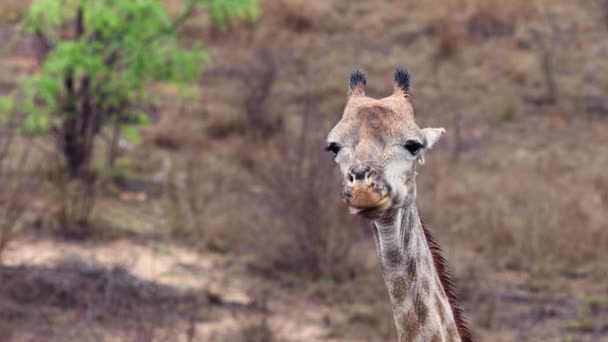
(376, 145)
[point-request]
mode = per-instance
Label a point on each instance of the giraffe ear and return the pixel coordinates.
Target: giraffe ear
(357, 83)
(431, 136)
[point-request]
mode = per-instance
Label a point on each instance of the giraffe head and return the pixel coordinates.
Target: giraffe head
(377, 144)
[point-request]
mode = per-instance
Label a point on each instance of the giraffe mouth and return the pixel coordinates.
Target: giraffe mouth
(382, 204)
(367, 196)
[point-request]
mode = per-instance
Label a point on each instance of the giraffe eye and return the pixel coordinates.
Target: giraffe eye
(333, 148)
(413, 146)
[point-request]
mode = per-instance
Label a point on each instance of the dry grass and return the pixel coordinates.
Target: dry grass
(298, 15)
(202, 202)
(534, 211)
(302, 226)
(12, 10)
(18, 179)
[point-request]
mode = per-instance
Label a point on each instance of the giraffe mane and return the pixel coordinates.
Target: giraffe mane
(448, 286)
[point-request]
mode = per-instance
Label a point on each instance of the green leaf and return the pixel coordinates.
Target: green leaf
(222, 10)
(7, 105)
(131, 133)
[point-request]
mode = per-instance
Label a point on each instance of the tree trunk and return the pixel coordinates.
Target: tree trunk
(81, 122)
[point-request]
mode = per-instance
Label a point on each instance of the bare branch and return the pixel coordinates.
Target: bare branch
(46, 44)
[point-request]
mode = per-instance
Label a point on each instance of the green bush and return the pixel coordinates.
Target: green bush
(98, 58)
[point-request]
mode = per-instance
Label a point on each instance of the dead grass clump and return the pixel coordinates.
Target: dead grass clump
(249, 78)
(258, 331)
(479, 21)
(200, 192)
(550, 34)
(486, 24)
(235, 95)
(604, 10)
(449, 38)
(13, 10)
(76, 199)
(176, 120)
(18, 180)
(296, 15)
(511, 10)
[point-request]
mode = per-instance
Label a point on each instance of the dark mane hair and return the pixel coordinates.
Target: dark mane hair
(448, 287)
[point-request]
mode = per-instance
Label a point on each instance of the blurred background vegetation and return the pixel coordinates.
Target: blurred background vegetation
(162, 175)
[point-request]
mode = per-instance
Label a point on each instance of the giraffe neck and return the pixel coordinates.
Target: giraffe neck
(421, 308)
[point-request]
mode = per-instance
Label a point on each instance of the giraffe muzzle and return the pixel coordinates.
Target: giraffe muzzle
(365, 193)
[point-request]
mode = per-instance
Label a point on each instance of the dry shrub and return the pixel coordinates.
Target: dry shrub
(537, 211)
(248, 81)
(506, 9)
(280, 201)
(167, 132)
(449, 38)
(17, 180)
(201, 192)
(485, 24)
(301, 224)
(256, 330)
(276, 196)
(76, 201)
(604, 10)
(234, 97)
(260, 78)
(12, 10)
(478, 21)
(296, 15)
(551, 34)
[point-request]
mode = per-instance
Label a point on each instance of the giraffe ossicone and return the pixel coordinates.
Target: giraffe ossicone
(377, 144)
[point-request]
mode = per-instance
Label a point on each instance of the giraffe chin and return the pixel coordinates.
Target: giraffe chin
(382, 204)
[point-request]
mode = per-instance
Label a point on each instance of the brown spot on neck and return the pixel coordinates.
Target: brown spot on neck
(411, 268)
(436, 337)
(393, 258)
(411, 327)
(422, 310)
(399, 289)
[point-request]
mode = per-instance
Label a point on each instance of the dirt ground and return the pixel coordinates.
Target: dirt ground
(215, 298)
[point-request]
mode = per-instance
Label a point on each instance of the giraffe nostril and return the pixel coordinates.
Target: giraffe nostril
(350, 177)
(359, 173)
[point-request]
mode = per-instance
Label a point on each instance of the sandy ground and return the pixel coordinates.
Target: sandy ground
(290, 318)
(506, 306)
